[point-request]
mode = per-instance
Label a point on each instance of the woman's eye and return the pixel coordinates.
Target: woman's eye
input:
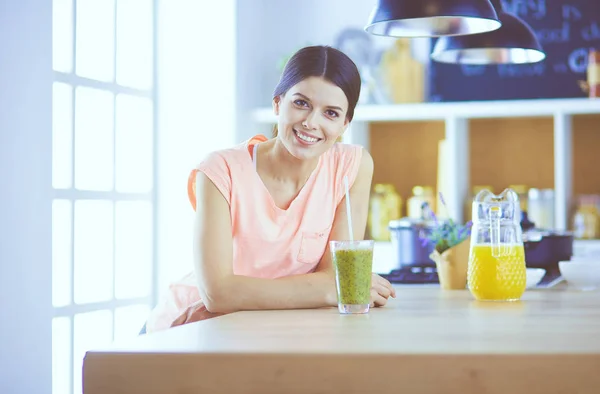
(301, 103)
(332, 113)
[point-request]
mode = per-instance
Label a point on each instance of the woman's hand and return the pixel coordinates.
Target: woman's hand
(195, 312)
(381, 290)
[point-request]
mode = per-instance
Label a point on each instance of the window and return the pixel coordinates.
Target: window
(103, 176)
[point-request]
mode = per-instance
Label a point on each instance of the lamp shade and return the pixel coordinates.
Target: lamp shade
(431, 18)
(513, 43)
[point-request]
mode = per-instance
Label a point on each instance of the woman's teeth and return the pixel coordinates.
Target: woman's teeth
(305, 137)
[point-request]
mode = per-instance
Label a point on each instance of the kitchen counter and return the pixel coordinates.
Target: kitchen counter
(424, 341)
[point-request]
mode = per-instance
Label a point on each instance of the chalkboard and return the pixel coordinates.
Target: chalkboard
(566, 29)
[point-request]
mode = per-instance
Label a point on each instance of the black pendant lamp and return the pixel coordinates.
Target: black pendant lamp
(513, 43)
(431, 18)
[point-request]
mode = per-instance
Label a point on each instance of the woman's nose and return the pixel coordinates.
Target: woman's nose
(310, 122)
(307, 126)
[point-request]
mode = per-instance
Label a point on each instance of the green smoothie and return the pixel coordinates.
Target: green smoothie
(353, 275)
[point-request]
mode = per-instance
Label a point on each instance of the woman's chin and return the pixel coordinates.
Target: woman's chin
(304, 152)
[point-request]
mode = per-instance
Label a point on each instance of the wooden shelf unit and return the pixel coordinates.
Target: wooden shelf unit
(543, 143)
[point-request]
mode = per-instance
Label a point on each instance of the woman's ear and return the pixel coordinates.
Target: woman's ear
(341, 137)
(346, 124)
(276, 102)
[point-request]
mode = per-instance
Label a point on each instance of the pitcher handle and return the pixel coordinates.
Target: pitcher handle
(495, 230)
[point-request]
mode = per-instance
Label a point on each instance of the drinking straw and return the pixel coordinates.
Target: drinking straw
(348, 210)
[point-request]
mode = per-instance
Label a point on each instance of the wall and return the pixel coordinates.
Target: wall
(270, 30)
(25, 198)
(406, 154)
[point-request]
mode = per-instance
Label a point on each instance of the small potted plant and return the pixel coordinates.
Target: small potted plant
(452, 243)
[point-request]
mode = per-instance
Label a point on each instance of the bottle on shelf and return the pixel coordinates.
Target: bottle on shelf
(586, 221)
(421, 195)
(385, 205)
(540, 207)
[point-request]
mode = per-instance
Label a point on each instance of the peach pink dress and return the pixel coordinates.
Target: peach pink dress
(268, 242)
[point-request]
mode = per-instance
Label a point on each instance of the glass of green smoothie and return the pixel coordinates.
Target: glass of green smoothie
(353, 262)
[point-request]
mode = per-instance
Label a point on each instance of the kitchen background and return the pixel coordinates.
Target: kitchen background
(107, 105)
(532, 127)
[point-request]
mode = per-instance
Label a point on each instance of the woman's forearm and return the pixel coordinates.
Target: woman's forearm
(236, 293)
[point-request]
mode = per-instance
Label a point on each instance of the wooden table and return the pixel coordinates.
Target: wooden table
(425, 341)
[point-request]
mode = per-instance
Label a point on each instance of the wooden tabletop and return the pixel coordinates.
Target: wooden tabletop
(424, 341)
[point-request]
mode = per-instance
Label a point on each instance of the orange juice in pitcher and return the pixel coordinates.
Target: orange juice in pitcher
(497, 269)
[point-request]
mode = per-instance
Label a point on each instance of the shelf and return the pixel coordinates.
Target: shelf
(454, 120)
(468, 110)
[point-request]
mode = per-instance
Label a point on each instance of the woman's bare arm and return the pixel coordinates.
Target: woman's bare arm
(222, 291)
(381, 288)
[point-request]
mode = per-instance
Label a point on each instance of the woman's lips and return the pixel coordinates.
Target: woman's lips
(305, 138)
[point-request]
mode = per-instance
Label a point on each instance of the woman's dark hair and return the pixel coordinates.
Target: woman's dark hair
(322, 61)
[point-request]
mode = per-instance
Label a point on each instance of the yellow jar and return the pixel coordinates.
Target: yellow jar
(421, 195)
(385, 205)
(586, 221)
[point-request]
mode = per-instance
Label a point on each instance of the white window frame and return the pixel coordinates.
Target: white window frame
(72, 194)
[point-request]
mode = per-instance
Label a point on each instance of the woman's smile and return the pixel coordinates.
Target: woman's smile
(305, 138)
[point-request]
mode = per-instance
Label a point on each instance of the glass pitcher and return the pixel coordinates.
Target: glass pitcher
(497, 257)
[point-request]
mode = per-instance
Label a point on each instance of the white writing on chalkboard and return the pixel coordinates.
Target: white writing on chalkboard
(568, 26)
(529, 8)
(470, 70)
(562, 34)
(570, 13)
(521, 70)
(507, 70)
(568, 30)
(578, 60)
(591, 32)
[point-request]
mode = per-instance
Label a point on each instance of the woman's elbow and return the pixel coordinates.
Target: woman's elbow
(217, 300)
(216, 305)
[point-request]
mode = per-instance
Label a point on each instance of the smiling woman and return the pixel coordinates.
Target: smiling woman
(266, 209)
(308, 95)
(326, 63)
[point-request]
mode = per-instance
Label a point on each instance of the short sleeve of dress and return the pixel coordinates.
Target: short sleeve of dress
(216, 168)
(347, 158)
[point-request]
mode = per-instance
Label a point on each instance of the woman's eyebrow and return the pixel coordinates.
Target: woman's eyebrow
(308, 99)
